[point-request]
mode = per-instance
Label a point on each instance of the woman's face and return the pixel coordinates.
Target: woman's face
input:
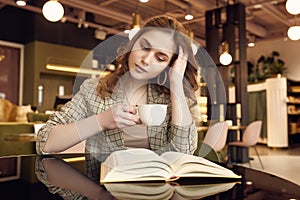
(151, 54)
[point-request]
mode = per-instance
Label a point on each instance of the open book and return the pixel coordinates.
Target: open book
(165, 190)
(145, 165)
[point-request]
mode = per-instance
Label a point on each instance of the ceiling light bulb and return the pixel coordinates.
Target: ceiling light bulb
(21, 2)
(251, 40)
(293, 7)
(294, 33)
(53, 11)
(257, 6)
(225, 58)
(144, 1)
(136, 24)
(251, 44)
(188, 17)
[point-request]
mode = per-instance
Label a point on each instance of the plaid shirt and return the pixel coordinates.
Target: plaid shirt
(87, 102)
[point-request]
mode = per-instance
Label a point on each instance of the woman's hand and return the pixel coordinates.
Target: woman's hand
(118, 116)
(177, 70)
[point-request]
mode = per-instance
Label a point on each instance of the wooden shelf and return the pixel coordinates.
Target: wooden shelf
(294, 133)
(298, 113)
(293, 103)
(293, 107)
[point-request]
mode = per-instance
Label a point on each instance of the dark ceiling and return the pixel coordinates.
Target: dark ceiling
(265, 19)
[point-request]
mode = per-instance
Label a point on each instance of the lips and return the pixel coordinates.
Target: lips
(140, 69)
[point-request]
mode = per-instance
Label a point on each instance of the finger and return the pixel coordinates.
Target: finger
(181, 62)
(124, 123)
(129, 108)
(183, 55)
(129, 116)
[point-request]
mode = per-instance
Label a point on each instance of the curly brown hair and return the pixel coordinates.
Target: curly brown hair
(106, 84)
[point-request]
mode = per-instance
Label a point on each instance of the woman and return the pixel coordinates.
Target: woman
(153, 69)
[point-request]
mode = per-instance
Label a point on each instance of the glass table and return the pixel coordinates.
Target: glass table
(76, 176)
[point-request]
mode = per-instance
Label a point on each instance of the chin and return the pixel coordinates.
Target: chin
(136, 75)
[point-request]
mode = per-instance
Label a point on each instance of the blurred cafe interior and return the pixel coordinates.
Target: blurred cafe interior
(254, 44)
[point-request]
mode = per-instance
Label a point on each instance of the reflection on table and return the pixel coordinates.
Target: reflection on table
(77, 176)
(56, 173)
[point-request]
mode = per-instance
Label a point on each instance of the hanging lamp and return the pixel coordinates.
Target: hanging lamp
(294, 33)
(21, 2)
(293, 7)
(136, 25)
(225, 57)
(53, 11)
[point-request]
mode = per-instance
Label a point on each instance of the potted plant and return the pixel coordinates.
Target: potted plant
(266, 67)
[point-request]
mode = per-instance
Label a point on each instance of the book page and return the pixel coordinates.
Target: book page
(134, 165)
(145, 165)
(131, 156)
(185, 165)
(138, 172)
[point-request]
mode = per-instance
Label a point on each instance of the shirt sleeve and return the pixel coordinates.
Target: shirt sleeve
(184, 138)
(72, 111)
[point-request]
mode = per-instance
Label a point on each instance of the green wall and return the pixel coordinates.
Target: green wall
(37, 55)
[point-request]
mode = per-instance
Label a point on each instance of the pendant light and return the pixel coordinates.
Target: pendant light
(293, 7)
(251, 42)
(136, 24)
(225, 57)
(21, 2)
(189, 15)
(53, 11)
(294, 33)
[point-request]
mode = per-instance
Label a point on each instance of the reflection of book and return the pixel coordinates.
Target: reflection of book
(145, 165)
(165, 190)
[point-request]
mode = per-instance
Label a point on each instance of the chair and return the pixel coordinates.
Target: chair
(250, 138)
(207, 152)
(216, 136)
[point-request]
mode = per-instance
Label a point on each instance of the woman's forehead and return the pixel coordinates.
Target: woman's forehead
(160, 39)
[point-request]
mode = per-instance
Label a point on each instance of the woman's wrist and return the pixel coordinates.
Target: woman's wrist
(177, 88)
(88, 127)
(176, 81)
(100, 123)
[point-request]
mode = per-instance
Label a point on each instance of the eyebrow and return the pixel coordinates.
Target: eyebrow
(148, 43)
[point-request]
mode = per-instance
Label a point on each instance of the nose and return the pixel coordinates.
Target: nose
(146, 58)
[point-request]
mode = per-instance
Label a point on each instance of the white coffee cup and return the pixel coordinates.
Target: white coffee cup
(152, 114)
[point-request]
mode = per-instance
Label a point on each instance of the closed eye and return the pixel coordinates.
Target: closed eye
(145, 45)
(160, 56)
